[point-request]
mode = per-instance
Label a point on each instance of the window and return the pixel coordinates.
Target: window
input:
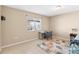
(34, 24)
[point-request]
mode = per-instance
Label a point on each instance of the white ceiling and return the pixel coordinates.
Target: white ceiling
(47, 10)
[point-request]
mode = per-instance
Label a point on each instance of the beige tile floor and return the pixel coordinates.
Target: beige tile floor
(25, 48)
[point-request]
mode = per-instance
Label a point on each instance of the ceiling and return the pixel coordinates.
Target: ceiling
(47, 10)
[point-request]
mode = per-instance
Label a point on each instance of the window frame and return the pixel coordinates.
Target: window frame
(36, 19)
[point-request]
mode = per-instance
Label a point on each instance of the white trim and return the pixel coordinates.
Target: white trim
(62, 38)
(5, 46)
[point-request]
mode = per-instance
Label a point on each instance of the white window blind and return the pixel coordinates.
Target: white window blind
(34, 24)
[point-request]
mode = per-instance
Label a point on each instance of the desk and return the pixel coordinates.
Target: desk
(45, 35)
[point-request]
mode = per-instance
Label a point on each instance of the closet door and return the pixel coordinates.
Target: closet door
(0, 28)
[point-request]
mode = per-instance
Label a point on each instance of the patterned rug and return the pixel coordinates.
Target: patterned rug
(55, 49)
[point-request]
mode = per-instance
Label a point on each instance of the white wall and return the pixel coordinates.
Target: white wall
(0, 29)
(62, 25)
(14, 28)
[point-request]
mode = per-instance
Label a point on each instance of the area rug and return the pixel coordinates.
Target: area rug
(56, 48)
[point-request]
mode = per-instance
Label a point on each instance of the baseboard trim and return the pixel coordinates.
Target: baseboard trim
(13, 44)
(62, 38)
